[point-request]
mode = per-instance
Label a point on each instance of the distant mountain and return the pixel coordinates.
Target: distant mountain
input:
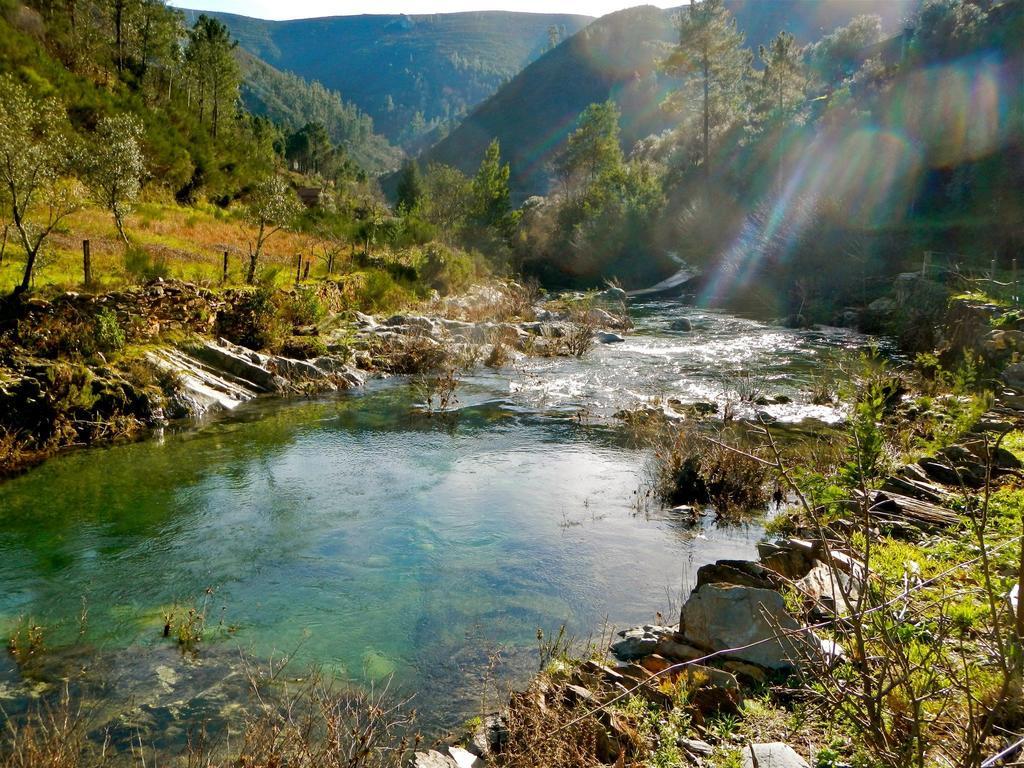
(411, 74)
(292, 102)
(617, 57)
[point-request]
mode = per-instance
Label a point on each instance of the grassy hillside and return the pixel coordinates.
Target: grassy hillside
(395, 67)
(617, 57)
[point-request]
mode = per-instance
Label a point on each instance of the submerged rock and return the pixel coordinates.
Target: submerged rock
(607, 337)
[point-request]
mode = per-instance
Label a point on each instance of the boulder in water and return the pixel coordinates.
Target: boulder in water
(612, 293)
(680, 324)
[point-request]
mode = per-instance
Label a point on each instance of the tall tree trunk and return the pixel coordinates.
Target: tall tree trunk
(216, 105)
(26, 279)
(118, 24)
(707, 124)
(254, 256)
(119, 222)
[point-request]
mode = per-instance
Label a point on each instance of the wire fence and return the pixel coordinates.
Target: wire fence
(995, 281)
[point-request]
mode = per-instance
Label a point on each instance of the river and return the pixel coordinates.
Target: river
(374, 541)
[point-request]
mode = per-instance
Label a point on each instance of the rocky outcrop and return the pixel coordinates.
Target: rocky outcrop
(753, 625)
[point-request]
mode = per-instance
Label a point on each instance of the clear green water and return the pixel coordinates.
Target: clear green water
(369, 539)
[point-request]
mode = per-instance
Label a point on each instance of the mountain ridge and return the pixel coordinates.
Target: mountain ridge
(555, 88)
(415, 75)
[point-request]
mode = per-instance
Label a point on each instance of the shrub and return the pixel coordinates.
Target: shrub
(690, 469)
(380, 292)
(447, 270)
(110, 336)
(304, 306)
(141, 266)
(304, 347)
(252, 320)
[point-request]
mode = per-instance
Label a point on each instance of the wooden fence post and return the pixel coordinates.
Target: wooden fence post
(926, 263)
(330, 264)
(224, 271)
(305, 269)
(86, 263)
(298, 267)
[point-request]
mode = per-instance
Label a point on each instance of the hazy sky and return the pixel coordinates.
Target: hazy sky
(297, 9)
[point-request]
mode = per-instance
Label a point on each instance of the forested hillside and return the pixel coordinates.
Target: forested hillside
(414, 75)
(617, 57)
(292, 102)
(806, 172)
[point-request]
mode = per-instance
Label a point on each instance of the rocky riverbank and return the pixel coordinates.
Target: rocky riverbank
(730, 684)
(80, 369)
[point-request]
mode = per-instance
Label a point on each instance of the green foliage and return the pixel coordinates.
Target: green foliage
(304, 306)
(213, 71)
(115, 165)
(783, 79)
(601, 222)
(141, 266)
(253, 319)
(446, 199)
(110, 336)
(838, 55)
(592, 152)
(713, 66)
(309, 150)
(273, 206)
(36, 154)
(410, 187)
(446, 269)
(491, 206)
(867, 443)
(381, 292)
(945, 27)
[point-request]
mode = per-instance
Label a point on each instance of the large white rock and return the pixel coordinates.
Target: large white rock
(433, 759)
(826, 587)
(723, 616)
(464, 758)
(774, 755)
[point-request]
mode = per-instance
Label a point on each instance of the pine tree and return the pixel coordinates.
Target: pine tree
(713, 64)
(491, 197)
(593, 150)
(783, 79)
(212, 65)
(410, 187)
